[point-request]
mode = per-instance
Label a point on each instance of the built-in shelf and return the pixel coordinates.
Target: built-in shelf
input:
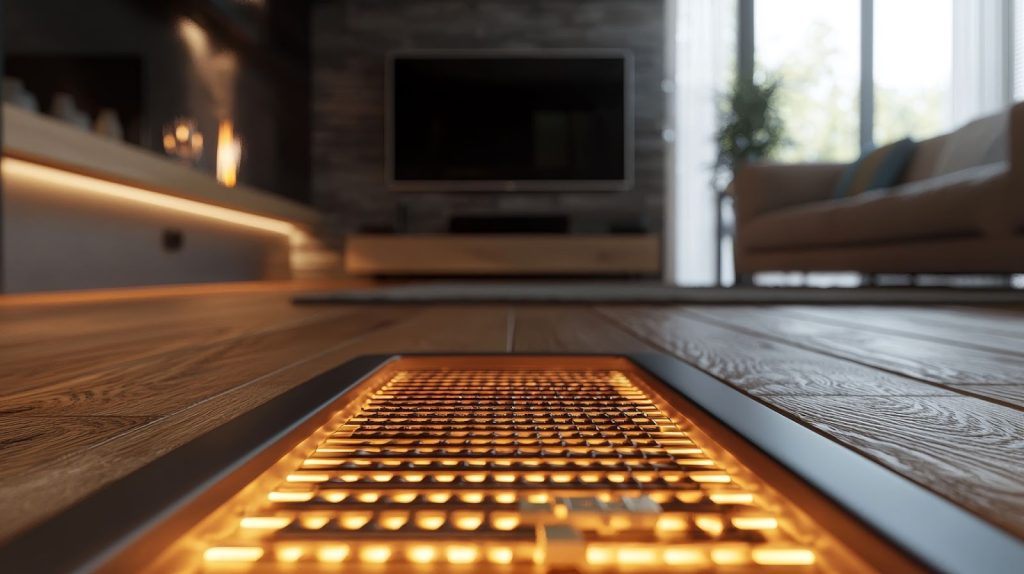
(47, 141)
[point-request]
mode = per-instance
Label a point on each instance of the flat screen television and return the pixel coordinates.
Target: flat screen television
(510, 121)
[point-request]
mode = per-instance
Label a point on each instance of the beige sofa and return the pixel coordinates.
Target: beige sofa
(959, 209)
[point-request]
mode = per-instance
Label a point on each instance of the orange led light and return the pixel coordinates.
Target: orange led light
(461, 554)
(332, 553)
(288, 496)
(314, 522)
(265, 522)
(772, 556)
(233, 554)
(755, 522)
(500, 555)
(422, 554)
(376, 554)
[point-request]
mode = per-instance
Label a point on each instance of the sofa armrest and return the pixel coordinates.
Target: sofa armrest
(1016, 143)
(766, 187)
(1015, 191)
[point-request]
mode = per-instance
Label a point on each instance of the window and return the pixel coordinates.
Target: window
(912, 70)
(934, 65)
(813, 48)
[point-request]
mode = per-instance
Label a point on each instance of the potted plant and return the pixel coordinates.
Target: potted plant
(750, 128)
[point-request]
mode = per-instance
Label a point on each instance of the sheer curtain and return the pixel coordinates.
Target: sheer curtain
(982, 58)
(703, 63)
(1018, 49)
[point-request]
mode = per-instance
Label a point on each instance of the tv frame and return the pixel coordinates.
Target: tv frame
(513, 185)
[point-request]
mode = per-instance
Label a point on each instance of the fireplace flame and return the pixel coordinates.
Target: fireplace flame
(229, 154)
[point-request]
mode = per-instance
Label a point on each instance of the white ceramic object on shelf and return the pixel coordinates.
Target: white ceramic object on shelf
(15, 93)
(63, 107)
(108, 123)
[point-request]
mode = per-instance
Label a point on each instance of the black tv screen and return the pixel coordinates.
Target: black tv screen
(508, 122)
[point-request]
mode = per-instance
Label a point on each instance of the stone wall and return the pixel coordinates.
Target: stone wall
(351, 40)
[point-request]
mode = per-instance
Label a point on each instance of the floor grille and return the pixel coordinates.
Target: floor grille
(565, 468)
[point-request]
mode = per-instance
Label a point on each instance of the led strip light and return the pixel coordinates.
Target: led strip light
(66, 180)
(499, 464)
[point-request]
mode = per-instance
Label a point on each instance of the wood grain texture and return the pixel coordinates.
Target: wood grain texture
(94, 389)
(1008, 394)
(1004, 319)
(41, 490)
(755, 364)
(32, 441)
(927, 324)
(83, 345)
(547, 329)
(946, 364)
(152, 385)
(965, 449)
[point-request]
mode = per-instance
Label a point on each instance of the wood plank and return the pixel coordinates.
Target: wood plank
(62, 299)
(29, 441)
(1008, 394)
(44, 490)
(175, 379)
(967, 450)
(33, 324)
(547, 329)
(929, 324)
(754, 364)
(945, 364)
(1004, 320)
(95, 345)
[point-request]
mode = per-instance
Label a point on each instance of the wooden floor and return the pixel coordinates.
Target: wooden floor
(93, 387)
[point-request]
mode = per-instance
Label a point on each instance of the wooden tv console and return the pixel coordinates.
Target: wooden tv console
(500, 254)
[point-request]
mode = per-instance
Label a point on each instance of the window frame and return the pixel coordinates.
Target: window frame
(746, 30)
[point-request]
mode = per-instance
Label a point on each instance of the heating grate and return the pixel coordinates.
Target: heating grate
(510, 464)
(566, 468)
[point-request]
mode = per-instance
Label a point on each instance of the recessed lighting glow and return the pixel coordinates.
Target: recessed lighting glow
(50, 176)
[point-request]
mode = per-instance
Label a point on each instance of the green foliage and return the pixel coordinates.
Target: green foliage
(750, 126)
(818, 101)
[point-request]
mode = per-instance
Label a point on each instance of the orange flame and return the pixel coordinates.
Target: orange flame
(229, 154)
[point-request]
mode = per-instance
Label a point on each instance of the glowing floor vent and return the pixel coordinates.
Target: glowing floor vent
(532, 464)
(562, 468)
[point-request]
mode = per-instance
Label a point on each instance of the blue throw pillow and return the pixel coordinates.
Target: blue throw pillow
(876, 169)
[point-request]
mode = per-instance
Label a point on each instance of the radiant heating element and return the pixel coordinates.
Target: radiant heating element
(509, 464)
(517, 468)
(562, 468)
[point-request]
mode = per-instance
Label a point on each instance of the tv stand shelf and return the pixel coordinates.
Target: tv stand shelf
(502, 255)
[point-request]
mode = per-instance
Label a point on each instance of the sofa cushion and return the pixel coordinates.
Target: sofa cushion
(980, 142)
(926, 159)
(882, 167)
(941, 207)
